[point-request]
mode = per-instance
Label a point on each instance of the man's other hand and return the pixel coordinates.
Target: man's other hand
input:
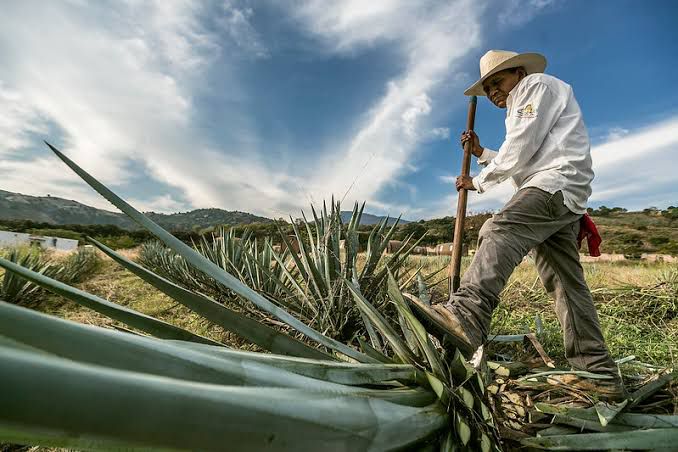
(477, 149)
(465, 182)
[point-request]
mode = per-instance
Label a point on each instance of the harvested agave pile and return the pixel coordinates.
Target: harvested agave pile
(535, 412)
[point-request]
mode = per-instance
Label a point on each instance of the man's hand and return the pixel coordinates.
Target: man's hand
(476, 149)
(465, 182)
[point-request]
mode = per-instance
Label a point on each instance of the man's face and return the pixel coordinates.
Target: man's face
(498, 86)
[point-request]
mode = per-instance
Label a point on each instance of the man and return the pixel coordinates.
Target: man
(546, 154)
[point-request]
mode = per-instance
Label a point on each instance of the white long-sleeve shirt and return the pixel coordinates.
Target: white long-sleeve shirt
(546, 145)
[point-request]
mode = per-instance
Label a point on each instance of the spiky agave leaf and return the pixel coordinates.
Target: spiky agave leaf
(334, 371)
(320, 290)
(247, 328)
(208, 267)
(94, 345)
(104, 408)
(404, 353)
(123, 314)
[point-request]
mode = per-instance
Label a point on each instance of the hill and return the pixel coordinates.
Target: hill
(59, 211)
(650, 231)
(369, 219)
(633, 233)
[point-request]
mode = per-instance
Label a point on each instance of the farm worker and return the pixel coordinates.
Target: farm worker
(546, 154)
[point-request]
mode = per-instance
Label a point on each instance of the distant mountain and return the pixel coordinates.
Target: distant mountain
(368, 219)
(59, 211)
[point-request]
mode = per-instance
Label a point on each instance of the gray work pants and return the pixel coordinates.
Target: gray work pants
(534, 219)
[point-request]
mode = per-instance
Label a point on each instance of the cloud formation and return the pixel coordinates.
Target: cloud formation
(432, 37)
(116, 81)
(122, 88)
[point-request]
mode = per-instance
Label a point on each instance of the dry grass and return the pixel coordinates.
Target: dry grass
(637, 304)
(114, 283)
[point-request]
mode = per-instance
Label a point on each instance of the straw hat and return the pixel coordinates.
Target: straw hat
(498, 60)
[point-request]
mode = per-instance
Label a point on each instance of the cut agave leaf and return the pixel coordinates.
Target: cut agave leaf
(125, 315)
(111, 348)
(249, 329)
(337, 372)
(142, 411)
(608, 411)
(485, 443)
(651, 388)
(374, 353)
(99, 346)
(208, 267)
(588, 417)
(650, 439)
(463, 429)
(466, 396)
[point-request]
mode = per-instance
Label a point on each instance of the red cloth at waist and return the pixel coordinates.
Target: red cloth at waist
(588, 230)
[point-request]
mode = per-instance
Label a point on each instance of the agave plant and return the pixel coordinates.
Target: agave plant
(245, 257)
(71, 269)
(308, 284)
(80, 386)
(15, 289)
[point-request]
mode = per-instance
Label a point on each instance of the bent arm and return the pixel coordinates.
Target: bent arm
(487, 156)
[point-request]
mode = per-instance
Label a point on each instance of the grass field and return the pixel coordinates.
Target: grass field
(637, 304)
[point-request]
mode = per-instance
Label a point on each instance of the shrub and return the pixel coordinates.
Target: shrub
(62, 233)
(71, 269)
(118, 242)
(658, 240)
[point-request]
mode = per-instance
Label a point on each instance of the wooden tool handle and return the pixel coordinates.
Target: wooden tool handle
(455, 263)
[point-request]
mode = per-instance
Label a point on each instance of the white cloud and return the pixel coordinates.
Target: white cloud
(419, 106)
(440, 133)
(42, 176)
(117, 80)
(17, 121)
(615, 133)
(518, 12)
(103, 88)
(236, 22)
(636, 171)
(432, 37)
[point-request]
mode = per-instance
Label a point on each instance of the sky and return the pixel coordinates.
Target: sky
(268, 107)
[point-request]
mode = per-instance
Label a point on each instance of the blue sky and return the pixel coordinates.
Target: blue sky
(268, 106)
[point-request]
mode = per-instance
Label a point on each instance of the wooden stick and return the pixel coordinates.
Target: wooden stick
(455, 263)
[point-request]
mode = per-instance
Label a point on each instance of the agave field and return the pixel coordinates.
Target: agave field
(330, 357)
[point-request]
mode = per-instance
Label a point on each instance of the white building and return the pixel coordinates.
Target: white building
(12, 239)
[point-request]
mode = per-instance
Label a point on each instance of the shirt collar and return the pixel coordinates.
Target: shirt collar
(509, 98)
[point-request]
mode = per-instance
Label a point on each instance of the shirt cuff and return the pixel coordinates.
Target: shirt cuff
(486, 156)
(476, 184)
